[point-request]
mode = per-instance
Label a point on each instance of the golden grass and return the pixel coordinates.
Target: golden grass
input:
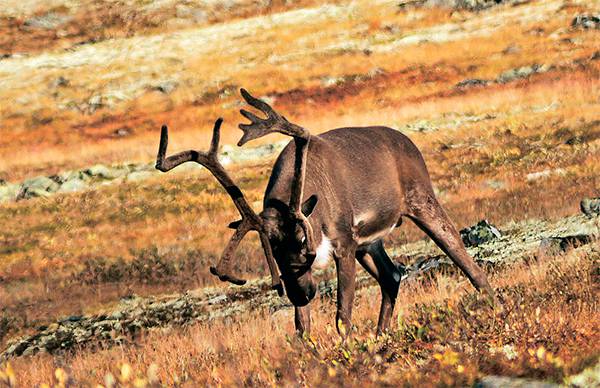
(71, 139)
(256, 349)
(480, 168)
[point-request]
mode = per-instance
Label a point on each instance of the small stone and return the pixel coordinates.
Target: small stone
(72, 185)
(480, 233)
(49, 21)
(534, 176)
(122, 132)
(217, 299)
(552, 246)
(496, 184)
(512, 382)
(69, 175)
(139, 175)
(586, 21)
(328, 81)
(9, 192)
(73, 318)
(60, 82)
(590, 207)
(166, 87)
(471, 82)
(37, 187)
(92, 105)
(101, 171)
(512, 49)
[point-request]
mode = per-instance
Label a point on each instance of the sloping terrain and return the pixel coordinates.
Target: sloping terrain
(96, 246)
(520, 242)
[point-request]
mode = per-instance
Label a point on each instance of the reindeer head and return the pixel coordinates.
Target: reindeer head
(289, 244)
(284, 230)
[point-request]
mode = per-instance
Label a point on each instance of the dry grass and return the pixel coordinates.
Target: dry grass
(325, 66)
(46, 120)
(443, 334)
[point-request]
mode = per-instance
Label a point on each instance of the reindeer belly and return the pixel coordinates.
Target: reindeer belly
(372, 226)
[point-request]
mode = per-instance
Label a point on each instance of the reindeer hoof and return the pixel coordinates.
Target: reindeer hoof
(279, 288)
(227, 278)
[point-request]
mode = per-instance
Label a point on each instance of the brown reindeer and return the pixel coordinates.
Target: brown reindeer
(336, 195)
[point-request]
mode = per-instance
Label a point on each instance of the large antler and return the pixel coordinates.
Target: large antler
(250, 220)
(277, 123)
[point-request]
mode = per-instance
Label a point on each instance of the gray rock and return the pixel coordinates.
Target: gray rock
(166, 87)
(142, 167)
(534, 176)
(93, 104)
(70, 175)
(139, 175)
(474, 5)
(72, 185)
(49, 21)
(480, 233)
(496, 184)
(9, 192)
(552, 246)
(422, 126)
(512, 49)
(589, 206)
(521, 72)
(511, 382)
(60, 82)
(122, 132)
(586, 21)
(98, 170)
(590, 377)
(328, 81)
(104, 172)
(217, 299)
(185, 12)
(472, 82)
(38, 187)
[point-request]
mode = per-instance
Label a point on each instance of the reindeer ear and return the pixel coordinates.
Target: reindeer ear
(309, 205)
(234, 224)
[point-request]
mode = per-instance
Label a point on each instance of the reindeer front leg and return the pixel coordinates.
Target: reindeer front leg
(302, 319)
(346, 274)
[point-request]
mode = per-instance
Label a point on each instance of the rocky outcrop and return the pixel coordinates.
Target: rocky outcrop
(521, 72)
(506, 76)
(99, 174)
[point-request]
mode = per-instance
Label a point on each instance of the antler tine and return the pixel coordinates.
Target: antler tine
(216, 138)
(250, 220)
(261, 127)
(277, 123)
(165, 164)
(258, 104)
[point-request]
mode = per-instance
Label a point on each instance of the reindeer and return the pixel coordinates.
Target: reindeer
(334, 195)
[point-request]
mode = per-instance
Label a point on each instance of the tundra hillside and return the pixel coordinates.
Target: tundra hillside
(503, 100)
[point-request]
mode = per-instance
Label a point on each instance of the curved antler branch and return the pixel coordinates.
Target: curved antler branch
(250, 220)
(261, 127)
(277, 123)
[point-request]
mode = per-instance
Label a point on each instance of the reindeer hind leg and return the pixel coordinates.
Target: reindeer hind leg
(379, 265)
(428, 215)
